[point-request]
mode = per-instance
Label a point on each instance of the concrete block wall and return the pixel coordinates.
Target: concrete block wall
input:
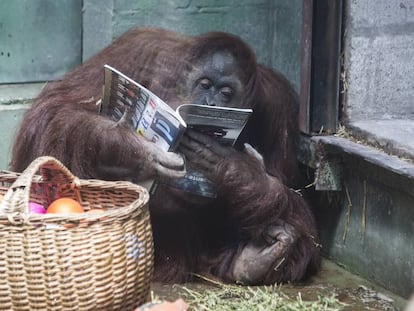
(379, 53)
(379, 75)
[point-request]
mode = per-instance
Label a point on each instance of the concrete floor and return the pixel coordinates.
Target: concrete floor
(393, 135)
(356, 292)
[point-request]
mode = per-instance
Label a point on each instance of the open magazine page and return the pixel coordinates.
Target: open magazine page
(124, 100)
(221, 123)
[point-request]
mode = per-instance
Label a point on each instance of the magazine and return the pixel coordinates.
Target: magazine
(126, 100)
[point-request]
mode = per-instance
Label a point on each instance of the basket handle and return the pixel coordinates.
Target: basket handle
(50, 169)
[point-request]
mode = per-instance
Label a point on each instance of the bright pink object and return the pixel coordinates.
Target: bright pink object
(36, 208)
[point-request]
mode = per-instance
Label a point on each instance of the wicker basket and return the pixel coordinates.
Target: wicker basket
(87, 261)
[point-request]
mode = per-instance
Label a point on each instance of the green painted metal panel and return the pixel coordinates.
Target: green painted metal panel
(39, 39)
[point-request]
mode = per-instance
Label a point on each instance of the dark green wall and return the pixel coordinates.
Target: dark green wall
(42, 39)
(271, 27)
(39, 40)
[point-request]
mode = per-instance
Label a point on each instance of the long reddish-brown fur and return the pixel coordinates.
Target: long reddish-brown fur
(64, 122)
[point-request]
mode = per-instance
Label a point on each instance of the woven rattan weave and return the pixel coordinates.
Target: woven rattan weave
(87, 261)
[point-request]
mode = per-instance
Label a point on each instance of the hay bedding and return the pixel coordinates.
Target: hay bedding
(270, 298)
(212, 295)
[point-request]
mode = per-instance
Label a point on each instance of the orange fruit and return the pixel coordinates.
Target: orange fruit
(65, 206)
